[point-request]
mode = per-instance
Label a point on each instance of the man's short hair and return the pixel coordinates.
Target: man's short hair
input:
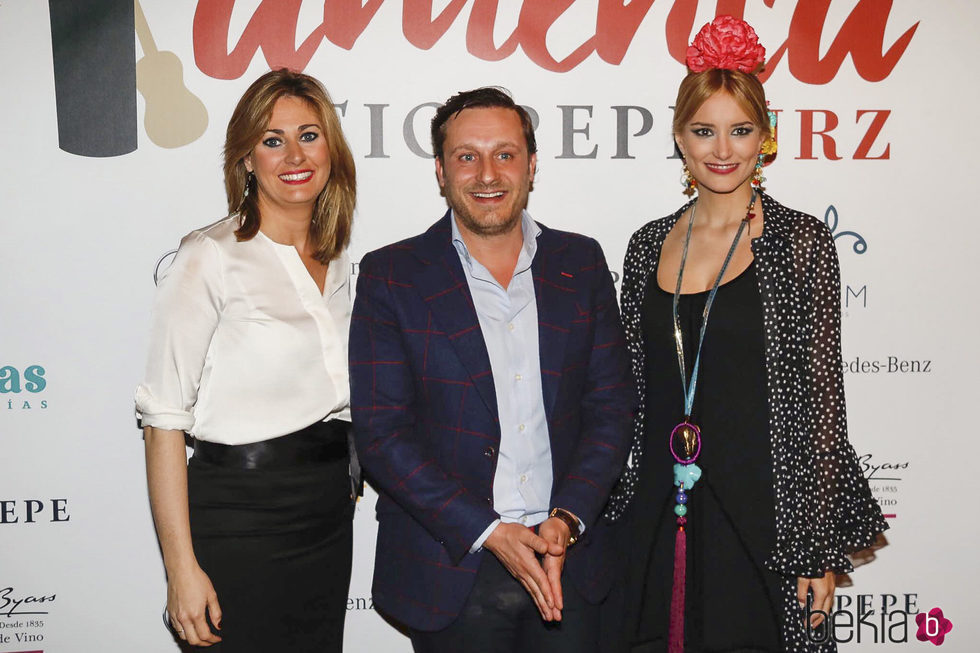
(485, 97)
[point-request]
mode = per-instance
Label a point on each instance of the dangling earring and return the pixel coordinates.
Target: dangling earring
(757, 178)
(768, 150)
(249, 179)
(688, 181)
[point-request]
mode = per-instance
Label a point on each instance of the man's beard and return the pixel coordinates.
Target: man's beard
(477, 221)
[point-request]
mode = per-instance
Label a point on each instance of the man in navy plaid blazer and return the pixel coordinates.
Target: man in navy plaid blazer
(491, 398)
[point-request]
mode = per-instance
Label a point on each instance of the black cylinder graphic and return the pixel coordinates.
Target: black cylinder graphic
(94, 47)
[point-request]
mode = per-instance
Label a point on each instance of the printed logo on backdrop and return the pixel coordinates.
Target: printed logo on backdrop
(33, 511)
(22, 387)
(360, 603)
(273, 28)
(889, 364)
(877, 619)
(885, 479)
(23, 616)
(853, 294)
(105, 124)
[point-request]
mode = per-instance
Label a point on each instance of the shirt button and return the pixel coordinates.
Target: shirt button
(510, 326)
(488, 452)
(523, 478)
(521, 428)
(518, 377)
(524, 519)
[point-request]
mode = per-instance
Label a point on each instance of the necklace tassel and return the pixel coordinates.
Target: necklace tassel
(676, 632)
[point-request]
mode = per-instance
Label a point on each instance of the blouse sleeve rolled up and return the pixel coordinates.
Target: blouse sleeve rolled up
(847, 516)
(188, 303)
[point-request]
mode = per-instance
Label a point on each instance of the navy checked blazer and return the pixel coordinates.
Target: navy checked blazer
(425, 413)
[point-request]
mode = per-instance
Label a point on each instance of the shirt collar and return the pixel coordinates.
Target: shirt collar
(529, 228)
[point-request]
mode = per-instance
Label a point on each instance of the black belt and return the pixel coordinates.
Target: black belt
(318, 443)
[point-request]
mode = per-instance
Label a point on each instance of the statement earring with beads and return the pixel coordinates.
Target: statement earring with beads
(688, 181)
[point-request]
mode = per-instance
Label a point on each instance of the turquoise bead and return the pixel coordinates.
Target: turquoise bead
(680, 510)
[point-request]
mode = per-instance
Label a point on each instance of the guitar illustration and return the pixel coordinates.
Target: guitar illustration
(174, 116)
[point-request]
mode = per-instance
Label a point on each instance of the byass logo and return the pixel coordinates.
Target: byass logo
(26, 383)
(23, 617)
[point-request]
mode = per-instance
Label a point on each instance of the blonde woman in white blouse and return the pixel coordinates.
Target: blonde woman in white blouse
(248, 356)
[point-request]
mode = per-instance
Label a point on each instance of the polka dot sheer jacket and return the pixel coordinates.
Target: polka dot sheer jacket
(824, 507)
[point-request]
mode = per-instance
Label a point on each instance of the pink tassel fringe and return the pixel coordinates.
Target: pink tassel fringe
(676, 632)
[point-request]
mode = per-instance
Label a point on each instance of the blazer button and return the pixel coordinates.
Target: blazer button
(488, 452)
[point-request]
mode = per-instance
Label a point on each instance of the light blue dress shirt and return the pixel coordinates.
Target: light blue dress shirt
(509, 322)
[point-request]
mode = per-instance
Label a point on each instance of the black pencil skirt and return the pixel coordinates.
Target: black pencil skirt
(275, 540)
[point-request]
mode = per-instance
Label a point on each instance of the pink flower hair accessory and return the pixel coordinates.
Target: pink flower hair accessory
(726, 43)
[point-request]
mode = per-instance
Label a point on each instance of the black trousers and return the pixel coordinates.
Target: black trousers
(499, 616)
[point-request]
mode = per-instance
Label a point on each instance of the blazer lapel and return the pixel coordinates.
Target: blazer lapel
(554, 293)
(442, 285)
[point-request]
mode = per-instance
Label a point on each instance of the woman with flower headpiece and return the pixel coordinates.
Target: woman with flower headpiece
(743, 495)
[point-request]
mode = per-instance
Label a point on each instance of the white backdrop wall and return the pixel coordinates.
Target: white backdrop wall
(88, 212)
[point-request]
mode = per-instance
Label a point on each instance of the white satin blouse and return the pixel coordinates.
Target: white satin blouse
(244, 347)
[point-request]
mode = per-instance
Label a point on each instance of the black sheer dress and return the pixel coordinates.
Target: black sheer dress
(733, 601)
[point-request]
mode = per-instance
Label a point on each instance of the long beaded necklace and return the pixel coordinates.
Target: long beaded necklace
(685, 439)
